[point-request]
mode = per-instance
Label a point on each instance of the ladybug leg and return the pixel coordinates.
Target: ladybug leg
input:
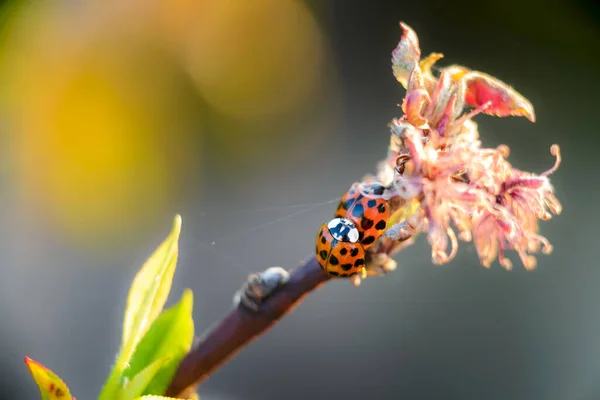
(378, 257)
(378, 264)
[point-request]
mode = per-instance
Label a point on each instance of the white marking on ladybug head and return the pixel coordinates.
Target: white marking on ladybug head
(343, 230)
(353, 235)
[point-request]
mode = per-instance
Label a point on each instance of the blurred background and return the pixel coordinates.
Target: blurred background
(115, 116)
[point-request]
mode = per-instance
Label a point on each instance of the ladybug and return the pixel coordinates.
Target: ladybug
(338, 250)
(360, 219)
(365, 205)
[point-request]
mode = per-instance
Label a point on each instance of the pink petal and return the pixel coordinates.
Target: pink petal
(505, 101)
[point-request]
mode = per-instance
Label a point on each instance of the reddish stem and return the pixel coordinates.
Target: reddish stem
(241, 326)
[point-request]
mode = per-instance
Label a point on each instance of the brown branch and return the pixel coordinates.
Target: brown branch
(266, 297)
(223, 341)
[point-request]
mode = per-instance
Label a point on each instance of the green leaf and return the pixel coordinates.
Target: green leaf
(147, 296)
(157, 398)
(137, 386)
(150, 289)
(50, 385)
(171, 335)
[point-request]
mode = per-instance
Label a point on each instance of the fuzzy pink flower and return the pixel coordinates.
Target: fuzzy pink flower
(512, 222)
(465, 191)
(477, 192)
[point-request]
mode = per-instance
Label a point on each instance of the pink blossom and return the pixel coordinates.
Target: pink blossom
(465, 191)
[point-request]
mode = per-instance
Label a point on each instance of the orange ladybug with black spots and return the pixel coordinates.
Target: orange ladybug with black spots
(338, 250)
(365, 205)
(360, 219)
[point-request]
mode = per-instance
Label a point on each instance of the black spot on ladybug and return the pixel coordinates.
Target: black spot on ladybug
(381, 208)
(323, 254)
(371, 203)
(378, 189)
(361, 234)
(359, 262)
(343, 275)
(358, 211)
(323, 240)
(366, 223)
(380, 225)
(347, 204)
(343, 251)
(346, 267)
(333, 260)
(354, 252)
(353, 274)
(333, 273)
(368, 240)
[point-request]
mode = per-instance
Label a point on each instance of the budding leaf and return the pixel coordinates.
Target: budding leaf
(406, 54)
(147, 296)
(50, 385)
(150, 289)
(171, 336)
(138, 385)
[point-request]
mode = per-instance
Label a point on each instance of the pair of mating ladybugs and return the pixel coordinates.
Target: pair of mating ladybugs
(360, 219)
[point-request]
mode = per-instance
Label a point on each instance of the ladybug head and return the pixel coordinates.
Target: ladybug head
(343, 230)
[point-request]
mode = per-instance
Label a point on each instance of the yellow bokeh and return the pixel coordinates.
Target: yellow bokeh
(96, 100)
(249, 58)
(88, 146)
(88, 119)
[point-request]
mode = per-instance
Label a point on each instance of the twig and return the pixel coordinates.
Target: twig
(243, 325)
(266, 297)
